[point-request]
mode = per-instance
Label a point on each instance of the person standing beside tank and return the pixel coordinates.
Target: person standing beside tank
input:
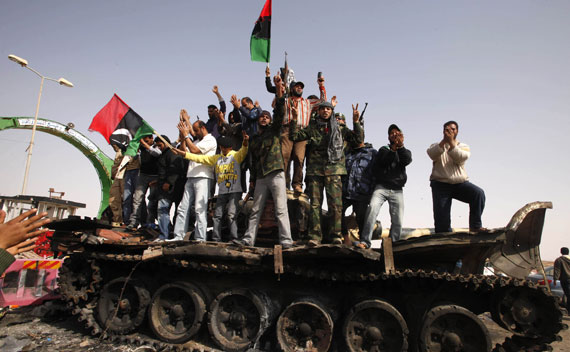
(449, 181)
(325, 165)
(389, 168)
(562, 273)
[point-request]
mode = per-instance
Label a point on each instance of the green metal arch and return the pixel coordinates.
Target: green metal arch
(100, 161)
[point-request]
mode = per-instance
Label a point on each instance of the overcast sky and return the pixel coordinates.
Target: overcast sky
(500, 68)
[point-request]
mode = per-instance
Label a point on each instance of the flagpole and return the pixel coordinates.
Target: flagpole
(163, 140)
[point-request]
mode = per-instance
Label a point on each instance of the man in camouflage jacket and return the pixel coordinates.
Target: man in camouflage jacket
(267, 173)
(325, 165)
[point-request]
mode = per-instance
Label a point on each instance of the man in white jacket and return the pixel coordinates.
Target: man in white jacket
(449, 181)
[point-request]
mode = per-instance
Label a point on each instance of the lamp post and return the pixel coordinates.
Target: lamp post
(63, 82)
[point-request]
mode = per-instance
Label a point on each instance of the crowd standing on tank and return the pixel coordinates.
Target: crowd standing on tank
(272, 150)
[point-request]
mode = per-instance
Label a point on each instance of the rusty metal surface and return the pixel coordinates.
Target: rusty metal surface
(520, 253)
(422, 278)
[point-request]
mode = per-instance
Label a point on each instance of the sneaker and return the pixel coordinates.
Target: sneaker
(313, 243)
(240, 243)
(298, 189)
(337, 240)
(174, 239)
(360, 245)
(288, 245)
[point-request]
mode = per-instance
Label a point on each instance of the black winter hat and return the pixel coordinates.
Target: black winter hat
(224, 142)
(164, 137)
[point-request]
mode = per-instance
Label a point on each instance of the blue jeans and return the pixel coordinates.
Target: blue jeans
(395, 200)
(138, 200)
(164, 205)
(196, 191)
(131, 177)
(443, 193)
(227, 204)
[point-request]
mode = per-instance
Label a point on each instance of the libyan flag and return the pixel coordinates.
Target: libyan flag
(121, 126)
(261, 35)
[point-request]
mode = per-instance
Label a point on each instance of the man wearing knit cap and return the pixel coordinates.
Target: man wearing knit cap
(325, 165)
(449, 181)
(389, 169)
(267, 176)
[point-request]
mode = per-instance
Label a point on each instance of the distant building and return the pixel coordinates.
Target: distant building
(55, 207)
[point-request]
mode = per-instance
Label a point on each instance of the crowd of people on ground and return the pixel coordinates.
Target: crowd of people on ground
(264, 147)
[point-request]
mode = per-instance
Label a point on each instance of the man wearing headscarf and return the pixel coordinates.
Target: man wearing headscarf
(325, 165)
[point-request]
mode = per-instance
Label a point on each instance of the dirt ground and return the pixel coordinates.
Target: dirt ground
(51, 329)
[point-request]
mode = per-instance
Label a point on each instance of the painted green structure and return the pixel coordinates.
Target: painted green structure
(100, 161)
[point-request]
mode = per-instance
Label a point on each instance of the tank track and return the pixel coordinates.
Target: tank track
(82, 304)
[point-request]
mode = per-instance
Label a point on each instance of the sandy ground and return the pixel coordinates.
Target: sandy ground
(50, 330)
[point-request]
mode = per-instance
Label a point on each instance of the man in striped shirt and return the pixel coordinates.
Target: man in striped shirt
(295, 151)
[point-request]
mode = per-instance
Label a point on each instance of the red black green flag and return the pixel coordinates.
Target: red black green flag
(261, 35)
(121, 126)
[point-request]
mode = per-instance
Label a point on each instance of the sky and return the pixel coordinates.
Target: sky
(499, 68)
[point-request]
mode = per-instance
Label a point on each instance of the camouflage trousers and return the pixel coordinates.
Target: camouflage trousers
(333, 188)
(116, 199)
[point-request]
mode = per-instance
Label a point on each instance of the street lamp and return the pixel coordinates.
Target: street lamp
(63, 82)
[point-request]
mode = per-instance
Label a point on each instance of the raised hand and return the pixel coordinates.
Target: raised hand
(277, 80)
(183, 128)
(334, 101)
(355, 113)
(215, 90)
(235, 101)
(245, 137)
(294, 109)
(27, 245)
(267, 71)
(256, 104)
(279, 88)
(184, 116)
(21, 228)
(321, 80)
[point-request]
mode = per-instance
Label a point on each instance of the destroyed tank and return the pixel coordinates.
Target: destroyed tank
(407, 296)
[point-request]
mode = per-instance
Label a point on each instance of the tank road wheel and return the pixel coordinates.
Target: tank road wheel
(78, 277)
(527, 312)
(177, 311)
(305, 324)
(122, 311)
(375, 325)
(453, 328)
(238, 318)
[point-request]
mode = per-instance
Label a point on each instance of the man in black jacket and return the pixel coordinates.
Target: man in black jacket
(562, 273)
(389, 169)
(170, 183)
